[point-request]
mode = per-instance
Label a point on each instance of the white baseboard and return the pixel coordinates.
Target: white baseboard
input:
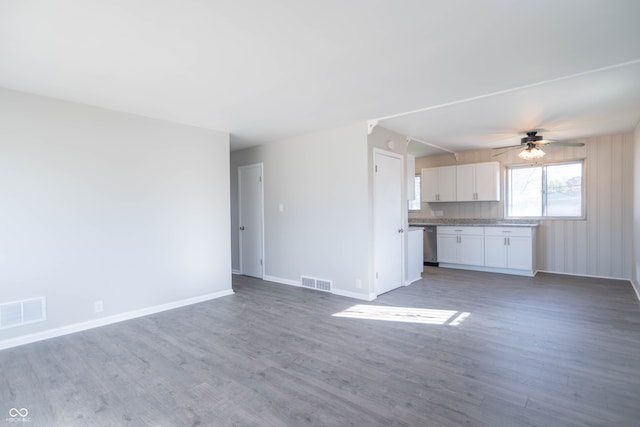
(348, 294)
(408, 282)
(354, 295)
(585, 275)
(236, 272)
(527, 273)
(636, 287)
(103, 321)
(281, 280)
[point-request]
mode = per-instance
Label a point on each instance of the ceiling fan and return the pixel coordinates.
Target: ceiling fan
(531, 143)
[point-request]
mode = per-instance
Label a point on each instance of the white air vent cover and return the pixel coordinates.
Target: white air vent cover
(22, 312)
(314, 283)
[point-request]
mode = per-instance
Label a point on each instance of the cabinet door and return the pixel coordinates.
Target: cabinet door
(429, 181)
(519, 253)
(447, 184)
(487, 181)
(448, 248)
(495, 251)
(465, 188)
(471, 250)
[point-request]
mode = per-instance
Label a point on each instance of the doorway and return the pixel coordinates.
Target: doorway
(251, 219)
(388, 214)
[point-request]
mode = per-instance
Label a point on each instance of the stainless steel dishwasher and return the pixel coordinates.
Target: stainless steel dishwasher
(430, 245)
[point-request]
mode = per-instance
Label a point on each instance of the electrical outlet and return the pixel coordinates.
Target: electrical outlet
(97, 307)
(358, 284)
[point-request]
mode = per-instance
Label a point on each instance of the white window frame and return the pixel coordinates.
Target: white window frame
(544, 166)
(419, 194)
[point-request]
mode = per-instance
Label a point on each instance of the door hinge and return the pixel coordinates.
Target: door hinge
(376, 274)
(376, 168)
(260, 178)
(260, 261)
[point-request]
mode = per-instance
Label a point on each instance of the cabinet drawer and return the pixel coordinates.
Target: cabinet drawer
(508, 231)
(469, 231)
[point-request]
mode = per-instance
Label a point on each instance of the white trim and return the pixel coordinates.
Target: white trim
(236, 272)
(338, 292)
(528, 273)
(354, 295)
(408, 282)
(502, 92)
(281, 281)
(261, 166)
(587, 275)
(83, 326)
(636, 288)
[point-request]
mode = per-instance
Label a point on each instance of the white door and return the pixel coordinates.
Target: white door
(388, 221)
(250, 200)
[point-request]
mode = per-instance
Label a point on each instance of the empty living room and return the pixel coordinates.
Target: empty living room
(289, 213)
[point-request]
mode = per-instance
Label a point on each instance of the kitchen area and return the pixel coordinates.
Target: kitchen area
(456, 210)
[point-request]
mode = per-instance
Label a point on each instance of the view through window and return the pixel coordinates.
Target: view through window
(414, 205)
(548, 190)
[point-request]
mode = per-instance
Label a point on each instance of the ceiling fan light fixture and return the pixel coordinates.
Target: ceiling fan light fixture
(531, 153)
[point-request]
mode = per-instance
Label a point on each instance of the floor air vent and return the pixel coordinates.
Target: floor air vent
(314, 283)
(23, 312)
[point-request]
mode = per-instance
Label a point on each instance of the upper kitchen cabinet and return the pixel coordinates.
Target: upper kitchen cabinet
(478, 182)
(439, 184)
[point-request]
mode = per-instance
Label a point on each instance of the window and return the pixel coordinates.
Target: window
(415, 204)
(548, 190)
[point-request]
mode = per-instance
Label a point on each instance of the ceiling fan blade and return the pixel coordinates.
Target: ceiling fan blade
(509, 146)
(515, 147)
(566, 144)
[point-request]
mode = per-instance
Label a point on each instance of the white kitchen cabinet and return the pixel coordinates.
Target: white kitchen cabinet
(439, 184)
(478, 182)
(509, 247)
(461, 245)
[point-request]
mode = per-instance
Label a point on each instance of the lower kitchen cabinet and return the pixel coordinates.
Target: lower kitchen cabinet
(508, 247)
(508, 250)
(461, 245)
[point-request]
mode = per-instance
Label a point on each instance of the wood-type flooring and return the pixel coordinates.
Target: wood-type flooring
(457, 348)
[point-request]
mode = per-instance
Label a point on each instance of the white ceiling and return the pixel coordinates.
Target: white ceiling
(262, 71)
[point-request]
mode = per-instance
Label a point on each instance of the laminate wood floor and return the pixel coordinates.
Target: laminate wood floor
(457, 348)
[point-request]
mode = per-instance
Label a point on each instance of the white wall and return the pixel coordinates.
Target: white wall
(321, 181)
(101, 205)
(636, 210)
(601, 245)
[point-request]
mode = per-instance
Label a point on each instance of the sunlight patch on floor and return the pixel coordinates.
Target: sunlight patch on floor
(404, 314)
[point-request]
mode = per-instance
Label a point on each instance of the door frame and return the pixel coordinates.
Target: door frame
(240, 168)
(403, 215)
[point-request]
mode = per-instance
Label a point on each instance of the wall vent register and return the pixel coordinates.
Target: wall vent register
(23, 312)
(314, 283)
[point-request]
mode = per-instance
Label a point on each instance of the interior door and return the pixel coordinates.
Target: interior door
(388, 222)
(250, 200)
